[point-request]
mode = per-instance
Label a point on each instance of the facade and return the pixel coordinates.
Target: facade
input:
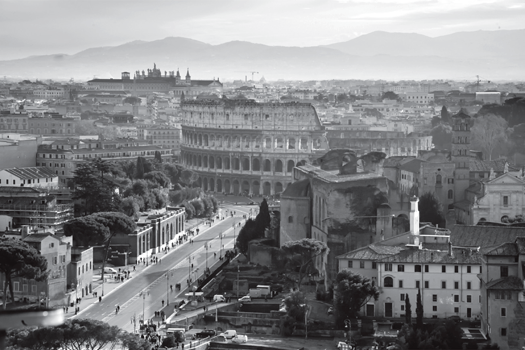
(80, 271)
(241, 146)
(144, 84)
(40, 177)
(48, 126)
(297, 198)
(18, 151)
(422, 98)
(49, 94)
(167, 137)
(503, 294)
(392, 143)
(14, 123)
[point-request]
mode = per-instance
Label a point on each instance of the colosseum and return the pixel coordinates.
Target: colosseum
(245, 147)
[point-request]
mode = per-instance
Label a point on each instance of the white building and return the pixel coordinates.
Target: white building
(422, 98)
(422, 259)
(41, 177)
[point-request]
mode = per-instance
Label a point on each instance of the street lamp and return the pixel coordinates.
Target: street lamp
(167, 286)
(206, 246)
(143, 295)
(238, 271)
(234, 245)
(134, 322)
(220, 248)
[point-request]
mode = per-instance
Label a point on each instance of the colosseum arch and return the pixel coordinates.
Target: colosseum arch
(219, 185)
(236, 187)
(199, 161)
(236, 163)
(245, 188)
(267, 165)
(246, 164)
(205, 184)
(304, 143)
(212, 162)
(227, 186)
(226, 161)
(255, 188)
(279, 143)
(219, 141)
(246, 141)
(212, 185)
(278, 187)
(278, 166)
(257, 142)
(256, 164)
(267, 189)
(194, 163)
(289, 166)
(236, 142)
(212, 140)
(205, 141)
(301, 162)
(200, 139)
(227, 142)
(205, 161)
(219, 163)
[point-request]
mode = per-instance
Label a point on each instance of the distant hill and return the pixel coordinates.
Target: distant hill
(496, 55)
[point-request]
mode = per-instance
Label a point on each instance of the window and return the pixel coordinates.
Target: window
(503, 312)
(400, 268)
(469, 285)
(503, 332)
(418, 284)
(16, 287)
(456, 309)
(443, 284)
(290, 219)
(505, 201)
(434, 308)
(417, 268)
(400, 283)
(427, 284)
(456, 285)
(361, 264)
(402, 307)
(388, 267)
(434, 297)
(426, 268)
(456, 298)
(504, 271)
(51, 245)
(469, 298)
(374, 265)
(438, 179)
(456, 269)
(443, 268)
(469, 269)
(350, 264)
(450, 194)
(55, 260)
(388, 282)
(480, 269)
(402, 296)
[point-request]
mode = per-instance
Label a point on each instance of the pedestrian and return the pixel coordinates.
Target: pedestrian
(160, 261)
(162, 302)
(134, 267)
(100, 299)
(122, 279)
(171, 287)
(215, 255)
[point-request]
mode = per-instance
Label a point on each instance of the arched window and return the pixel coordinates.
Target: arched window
(438, 179)
(388, 282)
(267, 165)
(290, 219)
(450, 194)
(278, 166)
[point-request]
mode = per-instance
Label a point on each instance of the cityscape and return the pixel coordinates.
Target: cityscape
(356, 183)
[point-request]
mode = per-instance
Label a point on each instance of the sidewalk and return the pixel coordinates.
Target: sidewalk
(111, 286)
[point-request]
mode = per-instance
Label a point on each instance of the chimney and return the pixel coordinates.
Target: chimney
(450, 252)
(414, 219)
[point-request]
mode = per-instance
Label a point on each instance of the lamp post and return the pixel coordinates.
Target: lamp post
(238, 271)
(234, 245)
(206, 246)
(143, 295)
(167, 287)
(220, 248)
(134, 322)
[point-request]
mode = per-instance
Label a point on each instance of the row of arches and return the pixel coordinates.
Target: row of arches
(241, 187)
(251, 142)
(241, 163)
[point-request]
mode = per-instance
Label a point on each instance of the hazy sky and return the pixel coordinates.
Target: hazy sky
(36, 27)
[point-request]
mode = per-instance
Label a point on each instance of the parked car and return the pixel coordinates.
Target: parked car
(205, 334)
(330, 310)
(245, 298)
(240, 339)
(229, 334)
(110, 270)
(219, 298)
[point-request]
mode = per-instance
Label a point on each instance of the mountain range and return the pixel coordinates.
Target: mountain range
(493, 55)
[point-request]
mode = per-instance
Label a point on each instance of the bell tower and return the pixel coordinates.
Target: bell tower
(460, 154)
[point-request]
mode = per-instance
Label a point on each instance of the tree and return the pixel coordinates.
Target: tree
(128, 168)
(442, 136)
(419, 310)
(187, 177)
(74, 334)
(488, 132)
(445, 335)
(408, 310)
(132, 341)
(130, 207)
(295, 303)
(139, 168)
(132, 100)
(248, 233)
(158, 177)
(390, 95)
(19, 259)
(445, 115)
(263, 219)
(303, 253)
(158, 157)
(351, 293)
(430, 210)
(99, 229)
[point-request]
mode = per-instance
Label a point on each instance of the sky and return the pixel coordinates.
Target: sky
(40, 27)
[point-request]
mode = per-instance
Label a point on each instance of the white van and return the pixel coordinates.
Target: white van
(219, 298)
(231, 333)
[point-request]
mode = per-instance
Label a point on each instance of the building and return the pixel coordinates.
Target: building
(17, 150)
(422, 98)
(80, 271)
(49, 126)
(49, 93)
(40, 177)
(503, 294)
(165, 136)
(489, 97)
(33, 207)
(241, 146)
(296, 198)
(145, 84)
(17, 123)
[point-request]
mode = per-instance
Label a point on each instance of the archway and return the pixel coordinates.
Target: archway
(267, 165)
(267, 189)
(246, 164)
(226, 163)
(255, 188)
(219, 185)
(199, 161)
(212, 162)
(290, 166)
(245, 188)
(205, 161)
(236, 165)
(212, 185)
(236, 187)
(278, 187)
(278, 166)
(256, 165)
(205, 184)
(219, 163)
(227, 186)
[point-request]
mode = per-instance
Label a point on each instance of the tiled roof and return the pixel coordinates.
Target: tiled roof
(116, 150)
(414, 166)
(422, 256)
(392, 162)
(484, 236)
(297, 189)
(485, 165)
(508, 249)
(19, 190)
(333, 176)
(506, 283)
(31, 173)
(371, 252)
(36, 237)
(520, 244)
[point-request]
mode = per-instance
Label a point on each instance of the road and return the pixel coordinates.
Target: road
(153, 281)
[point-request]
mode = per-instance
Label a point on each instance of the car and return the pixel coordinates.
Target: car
(205, 334)
(110, 270)
(219, 298)
(245, 298)
(229, 334)
(239, 339)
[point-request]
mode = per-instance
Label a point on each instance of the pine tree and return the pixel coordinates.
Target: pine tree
(419, 310)
(139, 172)
(408, 310)
(263, 219)
(445, 115)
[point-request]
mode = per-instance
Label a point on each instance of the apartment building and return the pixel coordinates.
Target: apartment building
(40, 177)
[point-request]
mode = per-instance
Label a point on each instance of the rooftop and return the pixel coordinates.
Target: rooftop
(484, 236)
(334, 176)
(31, 173)
(506, 283)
